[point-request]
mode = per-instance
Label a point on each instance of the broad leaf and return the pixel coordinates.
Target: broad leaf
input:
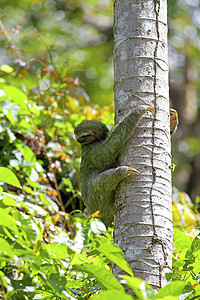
(6, 68)
(175, 288)
(5, 248)
(141, 289)
(9, 177)
(105, 277)
(16, 96)
(114, 254)
(181, 241)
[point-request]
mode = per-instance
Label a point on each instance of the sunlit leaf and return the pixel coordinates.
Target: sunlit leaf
(67, 182)
(8, 201)
(182, 215)
(16, 96)
(141, 289)
(31, 231)
(29, 154)
(58, 251)
(105, 277)
(181, 241)
(6, 68)
(9, 177)
(175, 288)
(113, 253)
(5, 248)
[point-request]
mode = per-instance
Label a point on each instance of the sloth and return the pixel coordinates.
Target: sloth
(99, 175)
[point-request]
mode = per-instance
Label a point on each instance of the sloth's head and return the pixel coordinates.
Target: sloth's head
(90, 131)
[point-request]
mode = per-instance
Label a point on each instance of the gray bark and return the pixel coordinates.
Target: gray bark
(143, 207)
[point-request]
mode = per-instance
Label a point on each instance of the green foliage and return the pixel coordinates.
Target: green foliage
(40, 259)
(186, 261)
(80, 31)
(37, 130)
(30, 265)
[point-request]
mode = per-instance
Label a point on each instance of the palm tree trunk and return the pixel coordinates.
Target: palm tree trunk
(143, 208)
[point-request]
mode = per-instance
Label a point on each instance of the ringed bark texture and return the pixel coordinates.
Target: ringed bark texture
(143, 207)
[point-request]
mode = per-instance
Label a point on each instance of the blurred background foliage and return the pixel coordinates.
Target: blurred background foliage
(76, 31)
(68, 44)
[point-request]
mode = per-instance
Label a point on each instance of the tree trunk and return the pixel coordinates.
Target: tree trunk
(143, 208)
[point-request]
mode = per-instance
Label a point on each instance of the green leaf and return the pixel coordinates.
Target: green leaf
(105, 277)
(47, 201)
(195, 244)
(57, 282)
(7, 221)
(16, 96)
(29, 155)
(175, 288)
(67, 182)
(9, 177)
(31, 231)
(113, 294)
(113, 253)
(181, 241)
(6, 69)
(8, 201)
(141, 289)
(58, 251)
(5, 248)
